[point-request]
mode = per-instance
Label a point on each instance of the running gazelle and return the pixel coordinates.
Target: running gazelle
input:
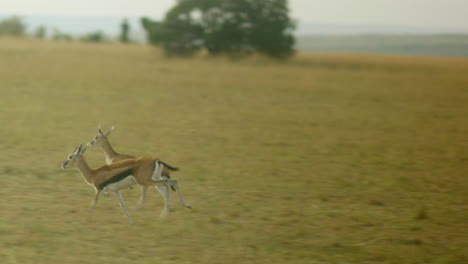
(113, 156)
(145, 171)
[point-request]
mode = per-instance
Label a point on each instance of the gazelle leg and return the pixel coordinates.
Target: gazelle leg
(94, 203)
(144, 190)
(122, 204)
(169, 197)
(164, 190)
(95, 200)
(175, 184)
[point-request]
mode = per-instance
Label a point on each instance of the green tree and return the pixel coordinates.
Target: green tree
(96, 36)
(12, 26)
(57, 35)
(226, 26)
(41, 32)
(125, 29)
(151, 27)
(178, 34)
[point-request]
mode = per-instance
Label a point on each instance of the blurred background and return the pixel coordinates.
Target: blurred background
(410, 27)
(306, 131)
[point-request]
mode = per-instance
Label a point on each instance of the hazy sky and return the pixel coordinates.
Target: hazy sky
(421, 13)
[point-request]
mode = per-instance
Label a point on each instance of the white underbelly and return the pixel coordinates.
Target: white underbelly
(125, 183)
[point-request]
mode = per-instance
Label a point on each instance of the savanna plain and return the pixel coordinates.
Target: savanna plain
(325, 158)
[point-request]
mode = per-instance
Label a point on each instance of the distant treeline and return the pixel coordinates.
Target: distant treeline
(233, 27)
(224, 27)
(15, 26)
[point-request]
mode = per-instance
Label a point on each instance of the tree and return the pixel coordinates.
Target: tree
(178, 34)
(272, 28)
(41, 32)
(151, 28)
(57, 35)
(96, 37)
(225, 26)
(13, 26)
(125, 28)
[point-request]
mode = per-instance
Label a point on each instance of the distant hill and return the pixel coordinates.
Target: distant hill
(308, 28)
(310, 36)
(432, 45)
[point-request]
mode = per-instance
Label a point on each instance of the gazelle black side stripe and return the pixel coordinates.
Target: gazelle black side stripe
(116, 178)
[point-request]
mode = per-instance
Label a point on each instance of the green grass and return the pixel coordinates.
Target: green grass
(327, 158)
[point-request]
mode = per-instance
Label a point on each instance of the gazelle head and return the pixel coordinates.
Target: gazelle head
(71, 159)
(97, 139)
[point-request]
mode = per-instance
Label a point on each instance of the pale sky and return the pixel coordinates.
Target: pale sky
(452, 14)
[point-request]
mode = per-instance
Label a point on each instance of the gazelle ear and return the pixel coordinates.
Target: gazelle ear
(109, 132)
(74, 151)
(78, 149)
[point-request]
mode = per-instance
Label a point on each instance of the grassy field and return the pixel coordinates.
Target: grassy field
(327, 158)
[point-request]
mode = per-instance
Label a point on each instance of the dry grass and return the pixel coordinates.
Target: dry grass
(328, 158)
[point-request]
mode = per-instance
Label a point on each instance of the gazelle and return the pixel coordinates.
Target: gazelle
(113, 156)
(145, 171)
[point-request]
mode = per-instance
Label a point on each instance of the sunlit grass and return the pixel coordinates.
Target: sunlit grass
(327, 158)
